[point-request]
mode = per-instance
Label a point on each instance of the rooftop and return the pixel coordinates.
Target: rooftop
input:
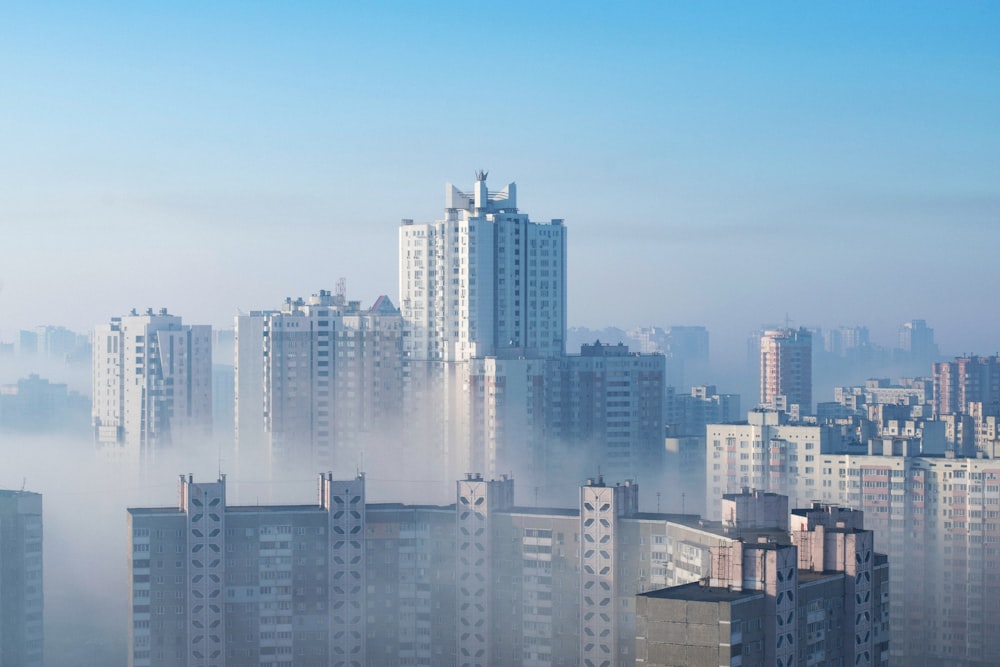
(696, 592)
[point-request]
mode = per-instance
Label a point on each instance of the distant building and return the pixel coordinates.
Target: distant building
(35, 405)
(685, 348)
(689, 414)
(786, 369)
(916, 343)
(21, 584)
(152, 384)
(317, 382)
(966, 380)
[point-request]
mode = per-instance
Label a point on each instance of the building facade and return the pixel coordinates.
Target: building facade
(937, 516)
(21, 581)
(482, 279)
(967, 380)
(482, 581)
(786, 369)
(814, 595)
(152, 384)
(317, 383)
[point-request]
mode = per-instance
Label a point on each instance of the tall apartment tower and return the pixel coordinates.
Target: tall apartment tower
(967, 380)
(483, 278)
(316, 382)
(21, 602)
(916, 340)
(786, 369)
(483, 281)
(152, 384)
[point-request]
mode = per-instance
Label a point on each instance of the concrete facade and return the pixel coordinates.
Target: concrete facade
(21, 582)
(152, 385)
(317, 383)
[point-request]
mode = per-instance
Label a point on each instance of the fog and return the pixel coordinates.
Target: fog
(733, 168)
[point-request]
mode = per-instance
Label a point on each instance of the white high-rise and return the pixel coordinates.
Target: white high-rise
(152, 378)
(483, 279)
(482, 282)
(317, 382)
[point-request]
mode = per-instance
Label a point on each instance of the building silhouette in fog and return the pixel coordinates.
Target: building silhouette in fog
(316, 381)
(21, 584)
(786, 369)
(485, 281)
(152, 384)
(485, 375)
(479, 582)
(916, 343)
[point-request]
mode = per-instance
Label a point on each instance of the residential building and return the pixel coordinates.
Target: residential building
(318, 382)
(482, 279)
(152, 384)
(916, 343)
(936, 514)
(966, 380)
(786, 369)
(605, 407)
(482, 581)
(21, 581)
(817, 595)
(35, 405)
(689, 414)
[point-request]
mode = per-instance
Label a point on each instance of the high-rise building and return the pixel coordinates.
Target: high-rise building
(605, 406)
(482, 279)
(485, 374)
(967, 380)
(916, 342)
(21, 590)
(152, 384)
(786, 369)
(317, 382)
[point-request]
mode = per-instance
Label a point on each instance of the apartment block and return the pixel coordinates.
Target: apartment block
(21, 581)
(814, 595)
(786, 369)
(152, 385)
(318, 382)
(935, 513)
(482, 581)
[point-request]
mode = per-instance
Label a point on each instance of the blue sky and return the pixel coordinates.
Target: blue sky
(716, 163)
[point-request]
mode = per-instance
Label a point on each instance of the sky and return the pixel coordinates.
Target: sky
(717, 163)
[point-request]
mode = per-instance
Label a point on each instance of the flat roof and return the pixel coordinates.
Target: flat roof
(696, 592)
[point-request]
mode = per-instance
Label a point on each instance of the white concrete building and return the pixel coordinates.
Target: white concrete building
(316, 382)
(483, 281)
(152, 384)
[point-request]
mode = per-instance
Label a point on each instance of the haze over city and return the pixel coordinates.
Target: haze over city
(717, 163)
(788, 212)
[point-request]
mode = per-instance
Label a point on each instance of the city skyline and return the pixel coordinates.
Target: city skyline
(715, 165)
